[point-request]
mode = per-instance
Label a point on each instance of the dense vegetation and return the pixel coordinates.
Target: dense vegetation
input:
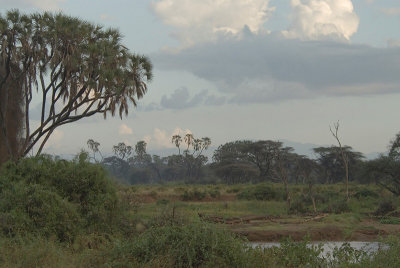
(58, 213)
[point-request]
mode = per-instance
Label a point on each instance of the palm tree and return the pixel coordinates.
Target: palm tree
(78, 69)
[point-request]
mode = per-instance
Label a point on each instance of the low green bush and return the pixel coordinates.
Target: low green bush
(191, 245)
(365, 193)
(338, 206)
(49, 197)
(385, 206)
(214, 193)
(300, 205)
(261, 192)
(193, 195)
(390, 220)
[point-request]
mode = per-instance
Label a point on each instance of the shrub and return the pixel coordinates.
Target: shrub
(261, 192)
(192, 245)
(299, 205)
(390, 220)
(365, 193)
(234, 189)
(214, 193)
(337, 207)
(162, 202)
(385, 207)
(193, 195)
(35, 210)
(56, 197)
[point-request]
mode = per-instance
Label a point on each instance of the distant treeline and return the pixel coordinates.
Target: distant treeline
(246, 161)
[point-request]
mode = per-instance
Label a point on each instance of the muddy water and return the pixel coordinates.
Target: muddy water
(328, 247)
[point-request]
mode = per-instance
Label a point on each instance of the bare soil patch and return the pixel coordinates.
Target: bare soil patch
(274, 229)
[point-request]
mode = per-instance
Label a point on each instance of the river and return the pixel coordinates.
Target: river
(328, 247)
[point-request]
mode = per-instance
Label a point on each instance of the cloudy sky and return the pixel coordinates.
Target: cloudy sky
(249, 69)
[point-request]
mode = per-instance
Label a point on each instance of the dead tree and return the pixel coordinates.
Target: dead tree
(343, 155)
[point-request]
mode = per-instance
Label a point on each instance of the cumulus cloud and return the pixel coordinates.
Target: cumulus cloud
(162, 139)
(54, 141)
(202, 21)
(322, 19)
(265, 68)
(49, 5)
(125, 130)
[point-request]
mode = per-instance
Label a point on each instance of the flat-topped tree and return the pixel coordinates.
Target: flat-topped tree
(78, 69)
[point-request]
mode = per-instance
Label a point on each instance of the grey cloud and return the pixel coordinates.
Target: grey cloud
(181, 98)
(270, 67)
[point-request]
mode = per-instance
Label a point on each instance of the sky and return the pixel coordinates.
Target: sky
(248, 69)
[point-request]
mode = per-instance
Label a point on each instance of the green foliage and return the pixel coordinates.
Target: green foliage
(296, 254)
(338, 206)
(193, 195)
(300, 205)
(56, 197)
(365, 193)
(386, 206)
(390, 220)
(214, 193)
(191, 245)
(261, 192)
(346, 255)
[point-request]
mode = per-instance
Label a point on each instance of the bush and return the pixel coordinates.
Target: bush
(262, 192)
(35, 210)
(385, 207)
(365, 193)
(300, 205)
(390, 220)
(338, 207)
(193, 195)
(214, 193)
(192, 245)
(56, 197)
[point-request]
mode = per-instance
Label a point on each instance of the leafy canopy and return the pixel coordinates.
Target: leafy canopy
(78, 69)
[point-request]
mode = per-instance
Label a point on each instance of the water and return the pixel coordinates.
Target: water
(328, 247)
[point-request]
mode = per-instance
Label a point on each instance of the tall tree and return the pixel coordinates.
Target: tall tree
(248, 155)
(332, 165)
(78, 69)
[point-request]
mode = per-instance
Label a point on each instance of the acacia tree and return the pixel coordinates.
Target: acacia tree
(75, 68)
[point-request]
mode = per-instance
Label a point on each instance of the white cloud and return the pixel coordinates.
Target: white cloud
(55, 139)
(147, 139)
(125, 130)
(162, 139)
(202, 21)
(48, 5)
(322, 19)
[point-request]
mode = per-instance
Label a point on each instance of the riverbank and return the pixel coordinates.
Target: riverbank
(364, 217)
